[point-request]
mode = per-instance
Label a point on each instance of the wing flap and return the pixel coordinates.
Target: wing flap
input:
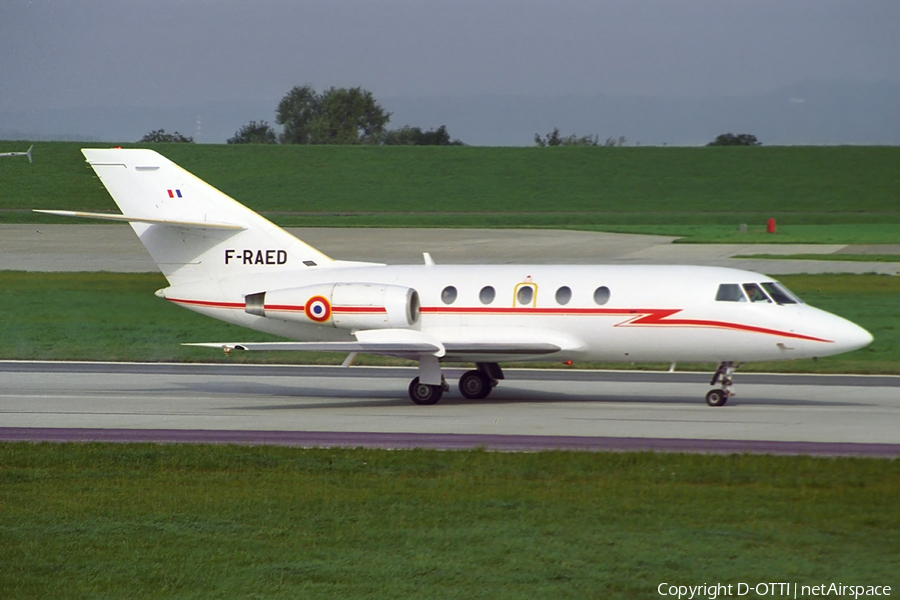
(501, 348)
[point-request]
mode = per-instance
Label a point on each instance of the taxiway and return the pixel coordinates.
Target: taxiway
(80, 247)
(365, 406)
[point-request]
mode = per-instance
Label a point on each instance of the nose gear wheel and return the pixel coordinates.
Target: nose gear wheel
(724, 376)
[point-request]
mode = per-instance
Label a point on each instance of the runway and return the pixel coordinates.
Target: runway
(532, 409)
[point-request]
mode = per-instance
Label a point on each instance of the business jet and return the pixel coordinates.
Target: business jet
(225, 261)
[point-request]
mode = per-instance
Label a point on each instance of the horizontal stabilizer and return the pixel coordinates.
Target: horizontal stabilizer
(128, 219)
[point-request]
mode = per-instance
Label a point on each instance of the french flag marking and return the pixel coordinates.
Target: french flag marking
(173, 193)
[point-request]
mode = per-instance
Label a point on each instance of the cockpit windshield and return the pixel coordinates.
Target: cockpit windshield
(774, 291)
(755, 293)
(780, 294)
(730, 292)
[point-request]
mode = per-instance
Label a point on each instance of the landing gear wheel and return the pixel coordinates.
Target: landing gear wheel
(717, 397)
(475, 385)
(422, 393)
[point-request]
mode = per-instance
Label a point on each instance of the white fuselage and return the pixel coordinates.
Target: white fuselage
(646, 313)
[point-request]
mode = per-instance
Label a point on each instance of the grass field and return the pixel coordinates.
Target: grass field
(888, 258)
(175, 521)
(115, 316)
(817, 194)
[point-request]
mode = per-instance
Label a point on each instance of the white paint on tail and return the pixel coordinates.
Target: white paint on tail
(167, 207)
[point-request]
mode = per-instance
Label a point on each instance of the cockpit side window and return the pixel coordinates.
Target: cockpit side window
(755, 293)
(730, 292)
(779, 293)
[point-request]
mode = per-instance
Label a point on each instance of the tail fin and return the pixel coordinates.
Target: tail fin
(193, 231)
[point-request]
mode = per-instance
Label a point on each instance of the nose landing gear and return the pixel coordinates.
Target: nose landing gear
(424, 394)
(724, 375)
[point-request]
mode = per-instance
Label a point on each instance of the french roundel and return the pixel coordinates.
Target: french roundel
(318, 309)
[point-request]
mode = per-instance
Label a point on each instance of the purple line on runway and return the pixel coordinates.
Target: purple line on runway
(444, 441)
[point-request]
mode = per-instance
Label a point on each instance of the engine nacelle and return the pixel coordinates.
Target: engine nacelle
(345, 305)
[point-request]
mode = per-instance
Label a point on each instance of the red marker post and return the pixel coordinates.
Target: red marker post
(770, 226)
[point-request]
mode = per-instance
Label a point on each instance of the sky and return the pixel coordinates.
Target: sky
(58, 54)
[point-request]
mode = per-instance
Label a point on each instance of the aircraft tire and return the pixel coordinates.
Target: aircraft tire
(421, 393)
(716, 397)
(475, 385)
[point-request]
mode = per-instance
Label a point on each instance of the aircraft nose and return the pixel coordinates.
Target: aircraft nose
(850, 336)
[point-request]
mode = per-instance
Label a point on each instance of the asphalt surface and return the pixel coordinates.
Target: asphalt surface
(531, 410)
(116, 248)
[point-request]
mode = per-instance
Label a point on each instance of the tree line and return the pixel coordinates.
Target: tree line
(333, 116)
(555, 138)
(353, 116)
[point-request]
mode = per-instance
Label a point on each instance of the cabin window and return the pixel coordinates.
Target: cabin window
(563, 295)
(487, 294)
(730, 292)
(601, 295)
(779, 293)
(525, 295)
(755, 293)
(448, 294)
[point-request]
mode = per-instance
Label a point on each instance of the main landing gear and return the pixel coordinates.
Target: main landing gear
(477, 384)
(725, 376)
(474, 385)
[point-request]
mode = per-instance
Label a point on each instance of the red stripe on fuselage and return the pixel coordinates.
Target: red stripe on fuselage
(208, 303)
(638, 317)
(277, 307)
(649, 317)
(359, 309)
(334, 309)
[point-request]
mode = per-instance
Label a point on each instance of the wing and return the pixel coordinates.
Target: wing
(409, 344)
(408, 350)
(403, 343)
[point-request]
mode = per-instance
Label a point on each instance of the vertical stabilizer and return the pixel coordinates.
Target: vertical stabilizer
(169, 208)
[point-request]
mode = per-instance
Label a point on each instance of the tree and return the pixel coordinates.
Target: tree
(741, 139)
(254, 133)
(336, 116)
(160, 135)
(414, 136)
(554, 139)
(295, 112)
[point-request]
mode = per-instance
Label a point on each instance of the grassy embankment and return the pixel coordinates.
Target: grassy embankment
(817, 194)
(110, 316)
(150, 521)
